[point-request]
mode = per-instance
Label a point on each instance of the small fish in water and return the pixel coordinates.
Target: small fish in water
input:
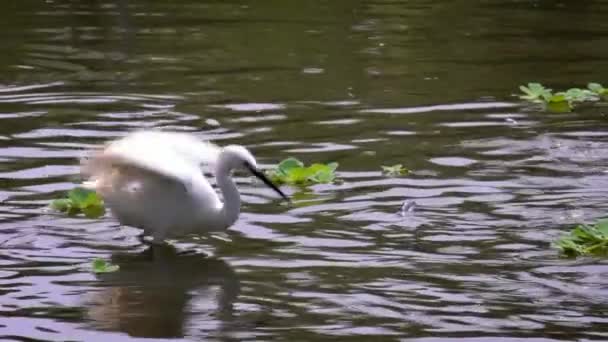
(511, 121)
(407, 207)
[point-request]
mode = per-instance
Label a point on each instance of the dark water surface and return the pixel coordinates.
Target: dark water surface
(427, 84)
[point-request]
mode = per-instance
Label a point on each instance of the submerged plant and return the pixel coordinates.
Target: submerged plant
(102, 266)
(586, 240)
(293, 171)
(80, 200)
(395, 170)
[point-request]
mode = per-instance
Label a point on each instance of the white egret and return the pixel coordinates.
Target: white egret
(153, 180)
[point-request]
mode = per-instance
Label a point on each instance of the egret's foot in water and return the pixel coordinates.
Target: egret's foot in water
(153, 244)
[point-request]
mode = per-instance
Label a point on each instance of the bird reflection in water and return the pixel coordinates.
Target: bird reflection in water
(164, 296)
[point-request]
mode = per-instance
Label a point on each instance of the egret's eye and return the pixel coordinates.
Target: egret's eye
(248, 166)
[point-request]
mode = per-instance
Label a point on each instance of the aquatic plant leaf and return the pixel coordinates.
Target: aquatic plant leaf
(569, 247)
(580, 95)
(534, 92)
(297, 176)
(321, 173)
(586, 240)
(602, 227)
(317, 167)
(102, 266)
(83, 198)
(332, 166)
(61, 204)
(537, 93)
(78, 201)
(288, 164)
(559, 106)
(596, 88)
(395, 170)
(94, 211)
(324, 177)
(73, 210)
(293, 171)
(78, 196)
(558, 97)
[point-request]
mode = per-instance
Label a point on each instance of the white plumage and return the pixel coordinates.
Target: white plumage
(153, 180)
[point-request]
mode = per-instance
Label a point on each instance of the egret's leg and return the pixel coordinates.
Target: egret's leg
(158, 238)
(156, 241)
(148, 253)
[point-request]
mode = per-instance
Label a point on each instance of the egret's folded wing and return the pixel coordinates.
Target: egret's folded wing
(185, 145)
(172, 155)
(160, 163)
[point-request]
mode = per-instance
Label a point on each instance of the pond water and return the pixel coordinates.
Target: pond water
(425, 83)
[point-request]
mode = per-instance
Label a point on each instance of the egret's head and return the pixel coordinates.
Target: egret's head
(235, 157)
(238, 157)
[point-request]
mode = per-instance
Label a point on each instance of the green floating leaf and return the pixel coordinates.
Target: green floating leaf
(534, 92)
(80, 200)
(602, 227)
(61, 204)
(395, 170)
(580, 95)
(562, 101)
(83, 198)
(293, 171)
(586, 240)
(598, 89)
(102, 266)
(559, 106)
(289, 164)
(558, 97)
(595, 87)
(94, 211)
(325, 176)
(297, 176)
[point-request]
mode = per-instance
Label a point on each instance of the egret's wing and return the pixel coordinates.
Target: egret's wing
(154, 180)
(184, 145)
(147, 199)
(172, 155)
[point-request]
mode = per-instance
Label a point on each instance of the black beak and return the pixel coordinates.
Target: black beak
(266, 181)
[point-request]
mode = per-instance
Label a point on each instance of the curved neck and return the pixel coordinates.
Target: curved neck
(232, 199)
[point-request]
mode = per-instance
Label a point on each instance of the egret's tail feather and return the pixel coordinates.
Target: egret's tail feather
(90, 184)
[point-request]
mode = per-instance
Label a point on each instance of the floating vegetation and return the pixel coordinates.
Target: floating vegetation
(586, 240)
(80, 200)
(395, 170)
(562, 101)
(292, 171)
(102, 266)
(598, 89)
